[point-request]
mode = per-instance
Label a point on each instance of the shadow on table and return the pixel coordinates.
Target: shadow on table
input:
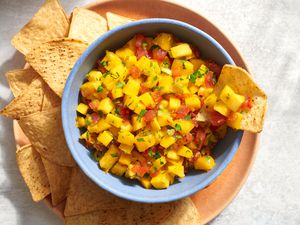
(13, 187)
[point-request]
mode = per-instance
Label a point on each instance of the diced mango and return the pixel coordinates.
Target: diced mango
(181, 50)
(82, 108)
(204, 163)
(172, 154)
(151, 81)
(235, 120)
(102, 125)
(175, 162)
(110, 60)
(118, 169)
(105, 137)
(167, 141)
(221, 108)
(106, 105)
(164, 118)
(185, 152)
(138, 123)
(94, 75)
(130, 173)
(109, 81)
(174, 103)
(117, 92)
(231, 99)
(147, 99)
(125, 159)
(130, 61)
(197, 63)
(158, 136)
(193, 102)
(145, 182)
(205, 91)
(126, 125)
(148, 67)
(165, 84)
(183, 67)
(155, 125)
(110, 157)
(131, 88)
(139, 107)
(144, 140)
(160, 181)
(210, 101)
(124, 53)
(183, 126)
(125, 137)
(164, 41)
(131, 101)
(177, 170)
(157, 164)
(114, 120)
(126, 148)
(80, 122)
(119, 72)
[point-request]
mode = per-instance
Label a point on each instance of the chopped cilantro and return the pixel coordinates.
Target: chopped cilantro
(155, 155)
(106, 74)
(154, 78)
(154, 47)
(183, 64)
(104, 63)
(100, 88)
(146, 175)
(188, 117)
(157, 88)
(120, 84)
(144, 45)
(115, 76)
(140, 139)
(161, 162)
(114, 155)
(177, 127)
(117, 111)
(143, 112)
(193, 77)
(87, 121)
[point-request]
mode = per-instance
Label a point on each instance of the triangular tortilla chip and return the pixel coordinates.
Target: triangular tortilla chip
(86, 25)
(45, 132)
(59, 179)
(33, 172)
(30, 101)
(54, 60)
(182, 212)
(48, 23)
(115, 20)
(85, 196)
(37, 97)
(242, 83)
(20, 79)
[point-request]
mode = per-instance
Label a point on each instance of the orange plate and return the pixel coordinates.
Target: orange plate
(213, 199)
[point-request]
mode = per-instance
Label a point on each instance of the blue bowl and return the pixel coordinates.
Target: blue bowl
(124, 187)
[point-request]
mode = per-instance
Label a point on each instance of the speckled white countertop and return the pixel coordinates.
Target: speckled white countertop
(268, 35)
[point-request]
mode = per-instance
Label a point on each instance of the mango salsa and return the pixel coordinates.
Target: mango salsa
(150, 110)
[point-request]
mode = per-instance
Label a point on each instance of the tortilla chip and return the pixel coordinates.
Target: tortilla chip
(242, 83)
(180, 213)
(86, 25)
(30, 101)
(115, 20)
(33, 172)
(85, 196)
(48, 23)
(20, 79)
(54, 60)
(37, 97)
(59, 179)
(45, 132)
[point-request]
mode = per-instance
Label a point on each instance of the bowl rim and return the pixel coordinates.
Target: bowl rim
(68, 137)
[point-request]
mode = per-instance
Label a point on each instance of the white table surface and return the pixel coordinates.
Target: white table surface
(268, 35)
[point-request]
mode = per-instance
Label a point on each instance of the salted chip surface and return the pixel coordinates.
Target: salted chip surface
(54, 61)
(59, 179)
(115, 20)
(33, 172)
(87, 25)
(45, 132)
(20, 79)
(242, 83)
(48, 23)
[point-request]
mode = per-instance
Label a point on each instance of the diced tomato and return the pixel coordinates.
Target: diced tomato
(140, 170)
(144, 89)
(139, 38)
(232, 117)
(182, 112)
(154, 174)
(175, 72)
(247, 104)
(135, 72)
(86, 93)
(159, 54)
(209, 81)
(216, 118)
(157, 96)
(125, 113)
(199, 138)
(141, 52)
(187, 138)
(95, 118)
(94, 105)
(214, 67)
(149, 116)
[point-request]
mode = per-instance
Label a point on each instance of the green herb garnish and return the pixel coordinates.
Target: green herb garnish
(120, 84)
(177, 127)
(114, 155)
(193, 77)
(183, 64)
(143, 112)
(157, 88)
(154, 47)
(144, 45)
(106, 74)
(100, 88)
(187, 117)
(155, 155)
(88, 121)
(104, 63)
(117, 111)
(140, 139)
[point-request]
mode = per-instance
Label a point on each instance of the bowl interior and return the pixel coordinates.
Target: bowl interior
(120, 186)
